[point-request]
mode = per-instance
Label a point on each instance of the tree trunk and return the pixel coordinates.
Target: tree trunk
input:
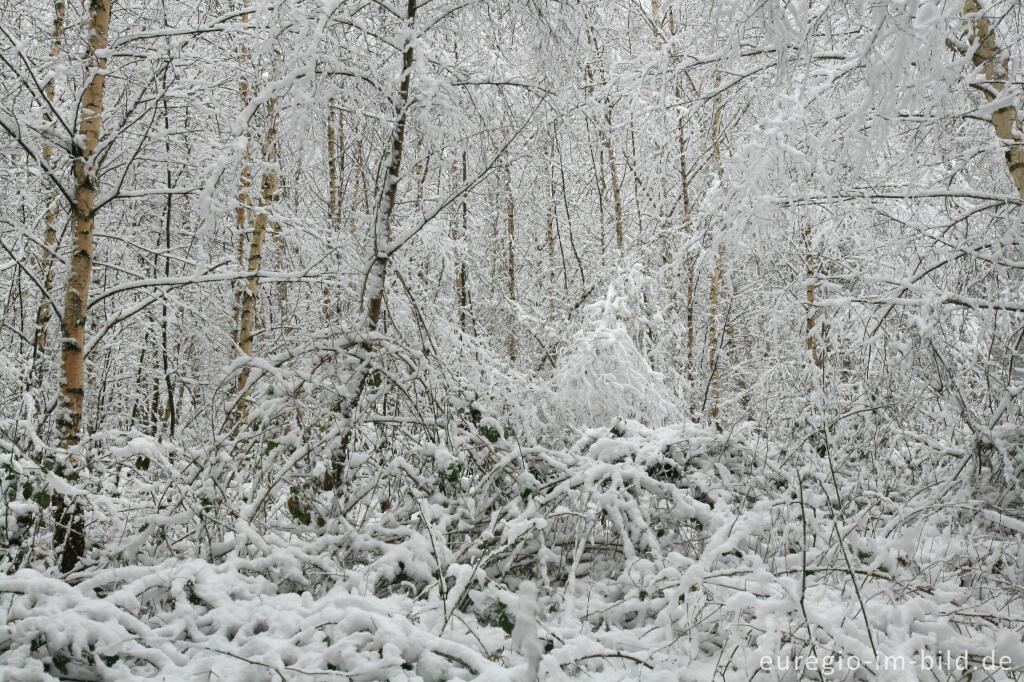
(69, 534)
(373, 294)
(244, 182)
(386, 205)
(460, 265)
(169, 419)
(599, 179)
(687, 224)
(994, 64)
(332, 170)
(550, 224)
(272, 156)
(50, 235)
(684, 182)
(268, 197)
(333, 194)
(616, 189)
(719, 271)
(358, 185)
(812, 344)
(688, 227)
(510, 215)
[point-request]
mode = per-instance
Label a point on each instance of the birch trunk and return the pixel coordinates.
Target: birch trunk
(69, 535)
(268, 197)
(994, 64)
(244, 182)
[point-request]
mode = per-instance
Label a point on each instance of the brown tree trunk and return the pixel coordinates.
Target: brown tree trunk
(69, 536)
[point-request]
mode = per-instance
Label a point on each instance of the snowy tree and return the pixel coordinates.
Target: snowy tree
(432, 340)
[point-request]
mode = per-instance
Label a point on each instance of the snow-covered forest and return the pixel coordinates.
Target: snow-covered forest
(511, 340)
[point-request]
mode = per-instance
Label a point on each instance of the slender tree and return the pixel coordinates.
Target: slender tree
(260, 223)
(510, 222)
(718, 273)
(45, 311)
(334, 215)
(70, 534)
(244, 183)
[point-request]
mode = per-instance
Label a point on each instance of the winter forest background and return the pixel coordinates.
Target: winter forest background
(511, 340)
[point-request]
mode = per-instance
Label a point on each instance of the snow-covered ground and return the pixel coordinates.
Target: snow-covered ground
(679, 553)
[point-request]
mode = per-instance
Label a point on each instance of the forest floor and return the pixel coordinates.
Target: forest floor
(679, 553)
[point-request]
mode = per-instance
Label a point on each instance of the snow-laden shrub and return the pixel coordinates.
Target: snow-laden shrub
(25, 487)
(680, 552)
(603, 375)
